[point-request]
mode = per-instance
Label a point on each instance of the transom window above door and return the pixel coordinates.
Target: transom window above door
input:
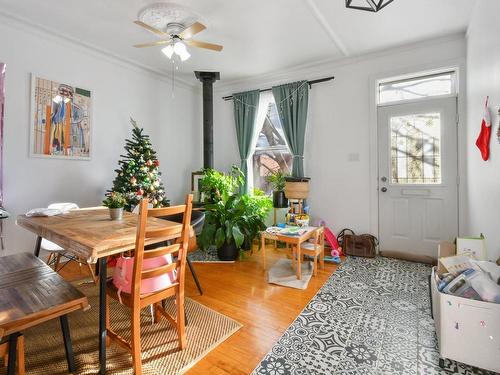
(417, 87)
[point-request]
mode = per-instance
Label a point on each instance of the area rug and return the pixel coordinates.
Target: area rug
(161, 355)
(282, 273)
(372, 316)
(209, 256)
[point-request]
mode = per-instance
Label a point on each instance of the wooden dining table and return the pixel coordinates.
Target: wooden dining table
(90, 234)
(295, 241)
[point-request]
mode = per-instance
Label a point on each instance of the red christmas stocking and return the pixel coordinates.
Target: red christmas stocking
(483, 140)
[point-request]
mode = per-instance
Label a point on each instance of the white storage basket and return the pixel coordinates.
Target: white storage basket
(468, 331)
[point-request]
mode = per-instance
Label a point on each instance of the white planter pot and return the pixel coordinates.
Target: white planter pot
(116, 213)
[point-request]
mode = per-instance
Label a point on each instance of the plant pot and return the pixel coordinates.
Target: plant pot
(116, 213)
(279, 199)
(228, 252)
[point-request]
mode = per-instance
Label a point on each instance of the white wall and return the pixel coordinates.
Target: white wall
(341, 119)
(120, 90)
(483, 79)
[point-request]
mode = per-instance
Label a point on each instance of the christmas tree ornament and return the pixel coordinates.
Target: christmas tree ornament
(149, 163)
(133, 180)
(483, 140)
(157, 162)
(140, 192)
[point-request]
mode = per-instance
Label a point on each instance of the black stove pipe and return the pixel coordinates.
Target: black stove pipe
(208, 79)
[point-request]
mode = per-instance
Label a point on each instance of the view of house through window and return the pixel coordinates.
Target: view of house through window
(416, 149)
(271, 152)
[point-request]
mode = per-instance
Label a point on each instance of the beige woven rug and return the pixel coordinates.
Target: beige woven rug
(160, 351)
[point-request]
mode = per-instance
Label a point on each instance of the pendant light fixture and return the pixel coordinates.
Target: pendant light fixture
(367, 5)
(178, 48)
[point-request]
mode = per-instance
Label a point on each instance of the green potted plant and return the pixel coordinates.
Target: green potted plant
(277, 180)
(115, 201)
(216, 186)
(232, 220)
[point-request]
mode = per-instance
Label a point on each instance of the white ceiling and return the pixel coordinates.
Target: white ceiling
(259, 36)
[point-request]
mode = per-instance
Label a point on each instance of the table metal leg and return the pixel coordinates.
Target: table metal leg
(196, 281)
(67, 343)
(102, 315)
(38, 244)
(11, 366)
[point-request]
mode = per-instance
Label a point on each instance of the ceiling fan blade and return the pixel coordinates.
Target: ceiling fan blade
(197, 43)
(152, 29)
(152, 44)
(195, 28)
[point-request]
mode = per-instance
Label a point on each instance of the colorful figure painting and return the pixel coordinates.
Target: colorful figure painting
(61, 120)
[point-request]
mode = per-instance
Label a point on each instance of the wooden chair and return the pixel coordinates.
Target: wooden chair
(4, 350)
(136, 300)
(56, 252)
(316, 249)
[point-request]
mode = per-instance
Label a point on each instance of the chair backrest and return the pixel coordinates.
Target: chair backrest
(159, 235)
(319, 238)
(63, 206)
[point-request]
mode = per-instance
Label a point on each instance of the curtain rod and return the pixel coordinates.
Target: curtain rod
(310, 83)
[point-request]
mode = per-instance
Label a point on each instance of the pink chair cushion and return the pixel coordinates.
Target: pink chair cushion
(122, 274)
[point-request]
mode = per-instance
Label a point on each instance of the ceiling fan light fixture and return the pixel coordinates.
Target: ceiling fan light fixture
(179, 47)
(367, 5)
(168, 51)
(184, 55)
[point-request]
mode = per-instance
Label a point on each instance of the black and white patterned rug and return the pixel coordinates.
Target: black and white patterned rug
(371, 317)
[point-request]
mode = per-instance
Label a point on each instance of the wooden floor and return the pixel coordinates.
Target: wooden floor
(240, 291)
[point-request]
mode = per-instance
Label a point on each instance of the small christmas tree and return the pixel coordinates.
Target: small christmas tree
(139, 175)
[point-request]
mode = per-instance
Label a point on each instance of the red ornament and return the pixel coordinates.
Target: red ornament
(156, 163)
(140, 192)
(149, 163)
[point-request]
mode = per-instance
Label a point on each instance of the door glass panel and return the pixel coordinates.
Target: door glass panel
(416, 149)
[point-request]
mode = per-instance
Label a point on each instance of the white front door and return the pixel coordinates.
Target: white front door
(418, 175)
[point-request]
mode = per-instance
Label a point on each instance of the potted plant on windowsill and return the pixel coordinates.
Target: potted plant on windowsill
(115, 201)
(277, 180)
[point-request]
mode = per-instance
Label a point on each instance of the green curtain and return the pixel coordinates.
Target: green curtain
(246, 107)
(291, 102)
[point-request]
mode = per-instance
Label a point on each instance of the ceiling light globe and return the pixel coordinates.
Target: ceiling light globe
(185, 55)
(179, 48)
(168, 51)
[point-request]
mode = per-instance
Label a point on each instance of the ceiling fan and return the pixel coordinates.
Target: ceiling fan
(175, 37)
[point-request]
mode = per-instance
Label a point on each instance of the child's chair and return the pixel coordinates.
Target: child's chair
(316, 249)
(158, 279)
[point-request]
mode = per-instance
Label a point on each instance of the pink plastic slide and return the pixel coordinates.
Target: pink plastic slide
(332, 240)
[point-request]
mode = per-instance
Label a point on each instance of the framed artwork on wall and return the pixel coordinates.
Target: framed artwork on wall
(61, 120)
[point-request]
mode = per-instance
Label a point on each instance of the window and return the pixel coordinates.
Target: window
(417, 87)
(416, 149)
(271, 151)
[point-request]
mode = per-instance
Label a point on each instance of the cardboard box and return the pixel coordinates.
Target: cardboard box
(474, 247)
(468, 331)
(445, 249)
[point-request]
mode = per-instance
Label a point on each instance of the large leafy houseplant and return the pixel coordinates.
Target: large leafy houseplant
(216, 186)
(232, 221)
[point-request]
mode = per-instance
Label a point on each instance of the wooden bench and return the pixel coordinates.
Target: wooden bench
(32, 293)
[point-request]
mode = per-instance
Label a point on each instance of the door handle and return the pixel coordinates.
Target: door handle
(383, 190)
(383, 179)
